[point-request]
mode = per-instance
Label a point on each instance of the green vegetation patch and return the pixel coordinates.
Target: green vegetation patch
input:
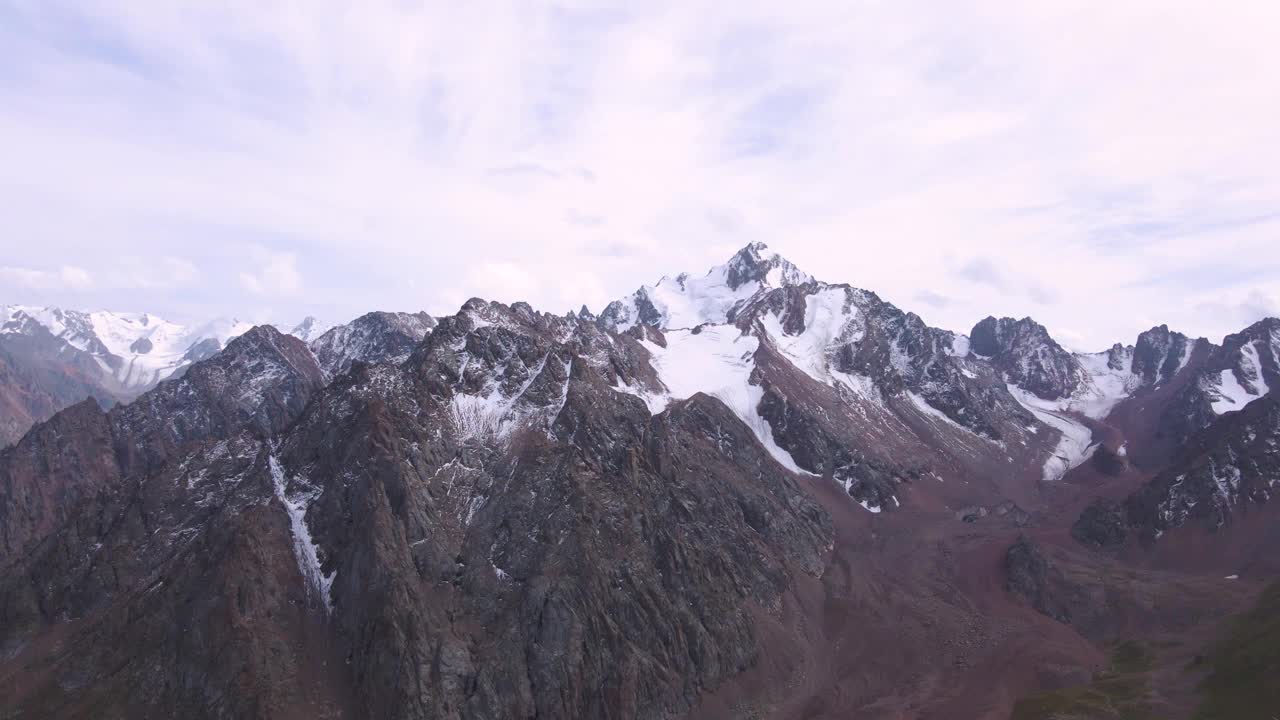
(1121, 693)
(1244, 667)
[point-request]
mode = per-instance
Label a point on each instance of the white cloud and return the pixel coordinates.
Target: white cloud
(1097, 156)
(67, 277)
(138, 273)
(502, 281)
(272, 274)
(74, 277)
(24, 277)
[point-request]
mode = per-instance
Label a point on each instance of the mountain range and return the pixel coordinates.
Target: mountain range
(744, 493)
(52, 358)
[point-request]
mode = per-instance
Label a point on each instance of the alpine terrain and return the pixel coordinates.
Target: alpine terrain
(745, 493)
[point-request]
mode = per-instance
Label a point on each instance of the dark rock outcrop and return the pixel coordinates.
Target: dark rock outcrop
(1233, 462)
(1030, 576)
(1027, 356)
(1101, 525)
(1160, 353)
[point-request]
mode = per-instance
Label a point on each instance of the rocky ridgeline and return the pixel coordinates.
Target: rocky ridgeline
(507, 513)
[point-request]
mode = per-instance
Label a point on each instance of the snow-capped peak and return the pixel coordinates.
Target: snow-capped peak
(757, 263)
(134, 350)
(686, 301)
(310, 328)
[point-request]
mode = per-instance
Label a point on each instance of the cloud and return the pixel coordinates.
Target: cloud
(1056, 159)
(982, 271)
(1239, 311)
(67, 277)
(932, 299)
(137, 273)
(273, 274)
(503, 281)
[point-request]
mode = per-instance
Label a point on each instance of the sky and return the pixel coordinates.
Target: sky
(1102, 167)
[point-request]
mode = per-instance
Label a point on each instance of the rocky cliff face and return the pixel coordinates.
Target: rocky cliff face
(1233, 463)
(496, 480)
(40, 375)
(52, 358)
(1229, 377)
(376, 337)
(258, 384)
(1159, 354)
(1027, 357)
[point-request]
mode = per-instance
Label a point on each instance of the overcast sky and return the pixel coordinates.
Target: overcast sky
(1100, 166)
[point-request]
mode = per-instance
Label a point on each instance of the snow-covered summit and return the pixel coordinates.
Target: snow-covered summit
(685, 301)
(1248, 367)
(757, 263)
(309, 328)
(134, 350)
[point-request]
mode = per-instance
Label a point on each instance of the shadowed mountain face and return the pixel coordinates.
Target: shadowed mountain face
(51, 359)
(749, 493)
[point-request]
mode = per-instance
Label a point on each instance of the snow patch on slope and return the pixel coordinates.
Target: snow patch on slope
(718, 361)
(492, 415)
(1105, 388)
(688, 302)
(304, 548)
(1075, 443)
(830, 320)
(1232, 395)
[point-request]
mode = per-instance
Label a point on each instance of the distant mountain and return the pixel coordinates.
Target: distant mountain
(375, 337)
(68, 355)
(134, 350)
(51, 358)
(744, 493)
(309, 329)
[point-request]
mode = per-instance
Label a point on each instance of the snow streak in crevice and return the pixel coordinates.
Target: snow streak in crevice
(304, 548)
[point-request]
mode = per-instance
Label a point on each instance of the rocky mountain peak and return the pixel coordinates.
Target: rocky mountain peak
(1160, 353)
(257, 339)
(376, 337)
(757, 263)
(310, 328)
(686, 300)
(1266, 330)
(993, 336)
(1028, 356)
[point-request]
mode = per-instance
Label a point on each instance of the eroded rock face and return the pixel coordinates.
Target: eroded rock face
(600, 546)
(174, 595)
(1160, 353)
(1028, 357)
(120, 527)
(1030, 576)
(1101, 525)
(1235, 461)
(376, 337)
(1233, 375)
(465, 566)
(38, 377)
(260, 382)
(54, 465)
